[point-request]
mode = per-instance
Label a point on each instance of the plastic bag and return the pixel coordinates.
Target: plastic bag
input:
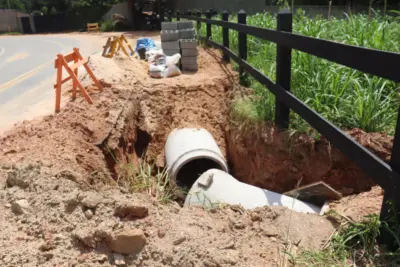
(171, 71)
(173, 60)
(157, 71)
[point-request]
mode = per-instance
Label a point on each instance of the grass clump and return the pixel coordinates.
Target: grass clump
(146, 178)
(107, 26)
(355, 245)
(346, 97)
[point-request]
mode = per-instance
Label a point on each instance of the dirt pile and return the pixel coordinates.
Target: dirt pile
(52, 220)
(290, 159)
(62, 205)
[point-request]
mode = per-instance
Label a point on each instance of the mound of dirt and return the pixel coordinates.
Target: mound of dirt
(54, 221)
(62, 207)
(290, 159)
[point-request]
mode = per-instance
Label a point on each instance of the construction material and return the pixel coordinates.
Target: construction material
(185, 25)
(189, 152)
(215, 187)
(72, 70)
(169, 36)
(115, 44)
(92, 27)
(169, 26)
(189, 53)
(170, 45)
(172, 52)
(146, 43)
(317, 193)
(186, 33)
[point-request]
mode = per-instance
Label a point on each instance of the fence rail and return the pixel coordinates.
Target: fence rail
(375, 62)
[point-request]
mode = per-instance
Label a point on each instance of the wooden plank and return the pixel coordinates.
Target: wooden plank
(70, 57)
(59, 79)
(63, 81)
(75, 79)
(315, 193)
(79, 63)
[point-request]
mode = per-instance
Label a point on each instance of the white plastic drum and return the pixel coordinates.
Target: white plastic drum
(189, 152)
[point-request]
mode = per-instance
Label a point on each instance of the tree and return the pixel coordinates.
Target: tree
(95, 3)
(14, 4)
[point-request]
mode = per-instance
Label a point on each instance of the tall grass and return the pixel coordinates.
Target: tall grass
(344, 96)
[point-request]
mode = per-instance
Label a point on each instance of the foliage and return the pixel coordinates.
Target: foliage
(344, 96)
(107, 26)
(14, 4)
(358, 242)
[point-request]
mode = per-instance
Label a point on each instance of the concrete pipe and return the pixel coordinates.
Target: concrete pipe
(215, 186)
(189, 152)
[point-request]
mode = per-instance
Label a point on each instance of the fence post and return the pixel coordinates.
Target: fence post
(189, 12)
(170, 15)
(178, 15)
(283, 69)
(162, 13)
(198, 14)
(208, 15)
(225, 34)
(242, 19)
(390, 210)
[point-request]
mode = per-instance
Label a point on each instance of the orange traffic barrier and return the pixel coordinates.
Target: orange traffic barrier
(72, 70)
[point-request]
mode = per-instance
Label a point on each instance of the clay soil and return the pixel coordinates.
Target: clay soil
(61, 205)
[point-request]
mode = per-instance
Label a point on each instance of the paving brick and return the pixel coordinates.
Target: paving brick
(189, 52)
(187, 33)
(171, 52)
(168, 26)
(188, 43)
(185, 25)
(169, 36)
(189, 61)
(170, 45)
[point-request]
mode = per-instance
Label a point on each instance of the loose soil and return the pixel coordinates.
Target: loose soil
(61, 205)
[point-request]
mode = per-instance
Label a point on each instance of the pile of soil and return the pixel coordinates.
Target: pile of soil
(278, 161)
(61, 205)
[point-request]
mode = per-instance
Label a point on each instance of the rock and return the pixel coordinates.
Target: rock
(91, 200)
(15, 179)
(48, 255)
(20, 206)
(179, 240)
(127, 242)
(86, 237)
(239, 225)
(69, 175)
(89, 214)
(119, 259)
(255, 217)
(105, 228)
(160, 233)
(229, 244)
(102, 258)
(130, 210)
(47, 246)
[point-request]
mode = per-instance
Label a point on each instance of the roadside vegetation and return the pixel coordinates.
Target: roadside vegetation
(344, 96)
(106, 26)
(355, 244)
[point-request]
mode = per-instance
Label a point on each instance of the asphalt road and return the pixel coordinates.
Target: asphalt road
(27, 73)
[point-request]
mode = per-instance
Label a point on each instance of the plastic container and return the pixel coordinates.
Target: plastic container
(216, 186)
(189, 152)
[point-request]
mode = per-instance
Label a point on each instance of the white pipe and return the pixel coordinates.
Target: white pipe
(215, 186)
(188, 144)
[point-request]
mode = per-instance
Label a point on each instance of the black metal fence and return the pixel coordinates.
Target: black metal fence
(379, 63)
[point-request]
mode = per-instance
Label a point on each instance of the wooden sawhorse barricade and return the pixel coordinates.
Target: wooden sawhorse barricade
(72, 70)
(115, 44)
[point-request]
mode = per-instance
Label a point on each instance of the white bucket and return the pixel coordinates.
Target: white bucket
(191, 150)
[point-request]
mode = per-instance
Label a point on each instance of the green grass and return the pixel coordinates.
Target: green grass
(10, 33)
(107, 26)
(346, 97)
(355, 245)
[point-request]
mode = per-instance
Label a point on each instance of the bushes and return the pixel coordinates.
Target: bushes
(346, 97)
(107, 26)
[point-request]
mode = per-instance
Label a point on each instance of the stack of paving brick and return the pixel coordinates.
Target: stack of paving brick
(170, 38)
(188, 45)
